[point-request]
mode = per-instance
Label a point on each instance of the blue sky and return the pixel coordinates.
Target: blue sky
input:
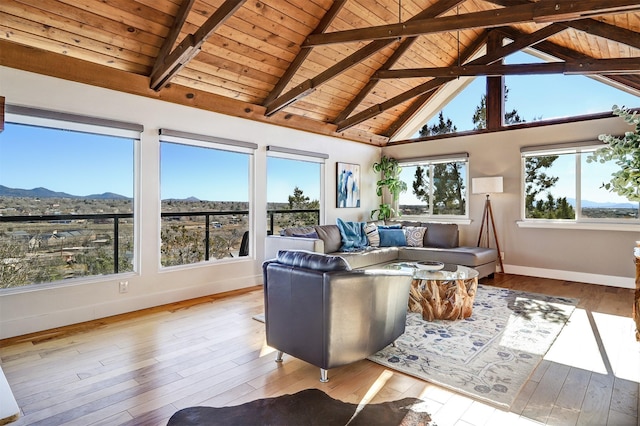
(81, 165)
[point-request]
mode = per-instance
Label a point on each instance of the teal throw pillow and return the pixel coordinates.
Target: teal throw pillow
(392, 237)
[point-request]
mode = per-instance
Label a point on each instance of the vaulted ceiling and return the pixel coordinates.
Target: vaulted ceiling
(357, 69)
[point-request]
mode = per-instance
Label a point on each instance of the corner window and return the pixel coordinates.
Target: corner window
(436, 187)
(561, 185)
(66, 198)
(205, 199)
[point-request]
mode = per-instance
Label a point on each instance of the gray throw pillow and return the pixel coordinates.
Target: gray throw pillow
(441, 235)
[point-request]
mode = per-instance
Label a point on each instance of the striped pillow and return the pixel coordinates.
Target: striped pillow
(371, 231)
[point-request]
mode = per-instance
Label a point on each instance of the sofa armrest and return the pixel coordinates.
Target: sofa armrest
(275, 243)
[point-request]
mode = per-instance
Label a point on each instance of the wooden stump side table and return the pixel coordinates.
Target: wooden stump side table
(447, 294)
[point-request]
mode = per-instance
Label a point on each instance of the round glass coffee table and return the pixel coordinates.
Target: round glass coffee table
(446, 294)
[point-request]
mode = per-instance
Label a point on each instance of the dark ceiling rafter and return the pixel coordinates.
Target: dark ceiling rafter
(417, 104)
(189, 47)
(566, 54)
(540, 12)
(324, 23)
(515, 46)
(590, 26)
(355, 58)
(172, 37)
(402, 48)
(577, 67)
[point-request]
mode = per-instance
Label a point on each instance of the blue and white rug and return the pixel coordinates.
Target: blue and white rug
(488, 356)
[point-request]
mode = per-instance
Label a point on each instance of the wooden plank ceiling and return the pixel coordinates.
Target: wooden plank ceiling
(357, 69)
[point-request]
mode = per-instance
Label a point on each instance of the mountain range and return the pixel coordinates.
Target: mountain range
(47, 193)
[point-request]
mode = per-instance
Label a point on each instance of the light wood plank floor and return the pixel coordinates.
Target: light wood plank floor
(139, 368)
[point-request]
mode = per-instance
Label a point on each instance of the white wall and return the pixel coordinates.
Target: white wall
(24, 311)
(593, 256)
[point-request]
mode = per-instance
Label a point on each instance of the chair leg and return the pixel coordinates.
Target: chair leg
(279, 356)
(324, 376)
(393, 344)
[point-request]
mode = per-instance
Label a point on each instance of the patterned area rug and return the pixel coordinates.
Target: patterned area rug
(488, 356)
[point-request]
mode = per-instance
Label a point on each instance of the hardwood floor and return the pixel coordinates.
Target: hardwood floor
(139, 368)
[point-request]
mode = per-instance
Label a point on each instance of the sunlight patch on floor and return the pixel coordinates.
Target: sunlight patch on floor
(580, 341)
(266, 350)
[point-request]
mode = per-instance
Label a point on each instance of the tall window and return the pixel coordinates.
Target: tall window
(66, 198)
(560, 184)
(436, 187)
(293, 184)
(205, 195)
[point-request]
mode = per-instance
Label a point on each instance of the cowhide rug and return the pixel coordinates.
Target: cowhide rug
(307, 407)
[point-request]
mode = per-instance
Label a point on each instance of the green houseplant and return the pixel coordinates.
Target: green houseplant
(389, 170)
(625, 151)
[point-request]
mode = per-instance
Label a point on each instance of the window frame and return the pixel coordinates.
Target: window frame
(431, 161)
(61, 121)
(222, 144)
(578, 150)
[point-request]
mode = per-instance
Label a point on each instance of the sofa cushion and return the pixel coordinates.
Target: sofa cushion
(392, 237)
(467, 256)
(330, 235)
(371, 230)
(312, 234)
(441, 235)
(299, 230)
(309, 260)
(415, 235)
(370, 257)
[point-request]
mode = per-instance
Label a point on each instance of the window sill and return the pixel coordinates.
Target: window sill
(409, 218)
(583, 226)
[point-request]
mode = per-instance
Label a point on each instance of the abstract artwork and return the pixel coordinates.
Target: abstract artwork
(348, 180)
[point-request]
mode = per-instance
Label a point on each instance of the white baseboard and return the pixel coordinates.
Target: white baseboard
(583, 277)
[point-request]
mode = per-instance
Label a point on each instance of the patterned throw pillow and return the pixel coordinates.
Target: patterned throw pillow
(415, 235)
(371, 230)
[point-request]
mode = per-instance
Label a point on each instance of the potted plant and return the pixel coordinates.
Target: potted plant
(625, 151)
(390, 180)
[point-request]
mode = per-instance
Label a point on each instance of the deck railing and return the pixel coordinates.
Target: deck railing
(208, 215)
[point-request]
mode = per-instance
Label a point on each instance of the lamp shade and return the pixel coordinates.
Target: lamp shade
(486, 185)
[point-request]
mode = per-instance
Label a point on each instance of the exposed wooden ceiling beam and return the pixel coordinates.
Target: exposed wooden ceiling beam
(542, 11)
(518, 44)
(590, 26)
(174, 32)
(591, 66)
(355, 58)
(303, 53)
(190, 46)
(402, 48)
(566, 54)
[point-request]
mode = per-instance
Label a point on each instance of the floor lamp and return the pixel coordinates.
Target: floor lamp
(488, 185)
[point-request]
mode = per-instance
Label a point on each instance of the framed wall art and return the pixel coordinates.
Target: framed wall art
(348, 185)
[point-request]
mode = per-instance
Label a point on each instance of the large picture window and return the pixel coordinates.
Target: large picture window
(294, 188)
(66, 198)
(437, 186)
(561, 184)
(205, 199)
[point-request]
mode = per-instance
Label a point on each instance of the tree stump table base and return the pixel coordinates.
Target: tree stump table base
(443, 299)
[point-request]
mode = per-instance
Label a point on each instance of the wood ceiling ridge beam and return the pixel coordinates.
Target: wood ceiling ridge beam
(578, 67)
(539, 12)
(397, 54)
(324, 23)
(190, 46)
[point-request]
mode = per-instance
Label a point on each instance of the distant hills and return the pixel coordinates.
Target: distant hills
(47, 193)
(595, 205)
